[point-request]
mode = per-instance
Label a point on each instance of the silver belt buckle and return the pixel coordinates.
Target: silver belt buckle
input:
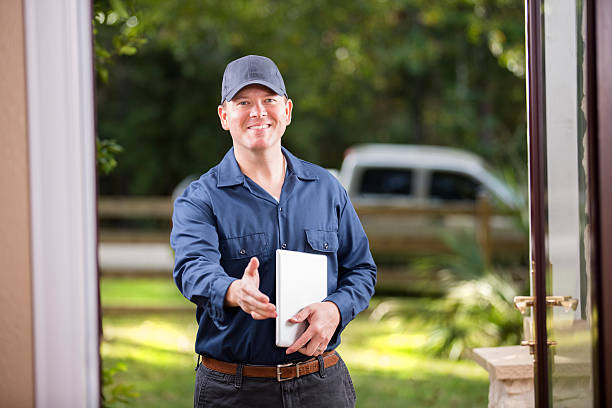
(279, 372)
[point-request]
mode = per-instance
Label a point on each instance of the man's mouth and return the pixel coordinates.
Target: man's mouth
(257, 127)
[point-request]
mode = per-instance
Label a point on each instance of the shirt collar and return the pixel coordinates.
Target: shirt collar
(297, 167)
(229, 173)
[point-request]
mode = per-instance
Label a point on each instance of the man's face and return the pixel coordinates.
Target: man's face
(256, 118)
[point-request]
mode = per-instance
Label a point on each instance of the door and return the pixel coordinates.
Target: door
(561, 234)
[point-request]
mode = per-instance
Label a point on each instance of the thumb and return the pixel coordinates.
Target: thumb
(301, 315)
(251, 269)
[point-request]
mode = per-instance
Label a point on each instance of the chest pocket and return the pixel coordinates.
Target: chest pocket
(243, 247)
(322, 241)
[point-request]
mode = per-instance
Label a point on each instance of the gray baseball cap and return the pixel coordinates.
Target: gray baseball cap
(252, 69)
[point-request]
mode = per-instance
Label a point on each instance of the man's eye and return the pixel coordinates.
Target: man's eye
(242, 103)
(270, 100)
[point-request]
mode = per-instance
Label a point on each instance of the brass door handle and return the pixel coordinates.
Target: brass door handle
(524, 302)
(566, 302)
(531, 344)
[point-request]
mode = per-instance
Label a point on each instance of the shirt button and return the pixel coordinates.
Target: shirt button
(325, 245)
(242, 251)
(283, 246)
(280, 209)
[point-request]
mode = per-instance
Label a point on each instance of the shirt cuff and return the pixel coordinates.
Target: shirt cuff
(343, 302)
(217, 310)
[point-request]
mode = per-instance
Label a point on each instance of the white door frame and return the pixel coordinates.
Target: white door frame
(63, 202)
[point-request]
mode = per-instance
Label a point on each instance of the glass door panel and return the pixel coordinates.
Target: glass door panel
(569, 320)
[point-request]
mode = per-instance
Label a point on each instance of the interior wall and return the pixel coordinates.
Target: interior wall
(16, 343)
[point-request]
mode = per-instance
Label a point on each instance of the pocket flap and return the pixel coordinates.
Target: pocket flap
(243, 247)
(324, 241)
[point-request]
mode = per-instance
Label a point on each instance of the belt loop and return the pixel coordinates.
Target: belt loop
(321, 366)
(238, 378)
(198, 362)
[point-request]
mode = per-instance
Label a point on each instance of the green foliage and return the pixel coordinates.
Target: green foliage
(466, 260)
(479, 306)
(116, 32)
(445, 72)
(517, 181)
(106, 151)
(116, 395)
(478, 313)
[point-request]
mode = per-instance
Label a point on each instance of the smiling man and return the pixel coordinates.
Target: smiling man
(226, 228)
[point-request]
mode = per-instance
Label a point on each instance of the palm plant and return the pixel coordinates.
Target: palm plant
(478, 304)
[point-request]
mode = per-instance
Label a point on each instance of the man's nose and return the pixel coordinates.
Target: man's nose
(258, 109)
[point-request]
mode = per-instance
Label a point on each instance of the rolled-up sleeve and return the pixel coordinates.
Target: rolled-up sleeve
(356, 267)
(198, 273)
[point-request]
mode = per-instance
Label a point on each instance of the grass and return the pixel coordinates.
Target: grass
(386, 351)
(384, 348)
(158, 352)
(140, 292)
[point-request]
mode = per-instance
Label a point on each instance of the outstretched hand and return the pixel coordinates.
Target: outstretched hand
(245, 294)
(323, 319)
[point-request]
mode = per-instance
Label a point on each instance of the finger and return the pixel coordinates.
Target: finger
(252, 294)
(310, 350)
(301, 341)
(268, 311)
(250, 303)
(263, 308)
(301, 315)
(262, 315)
(320, 349)
(251, 268)
(313, 348)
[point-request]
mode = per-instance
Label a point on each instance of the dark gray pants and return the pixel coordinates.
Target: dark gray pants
(330, 387)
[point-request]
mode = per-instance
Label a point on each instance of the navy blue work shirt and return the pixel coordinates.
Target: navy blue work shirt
(224, 218)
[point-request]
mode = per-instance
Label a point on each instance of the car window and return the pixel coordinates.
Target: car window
(451, 186)
(386, 181)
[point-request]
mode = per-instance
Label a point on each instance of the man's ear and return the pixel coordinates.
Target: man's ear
(288, 110)
(222, 117)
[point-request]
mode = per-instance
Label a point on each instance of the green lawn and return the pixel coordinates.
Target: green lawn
(141, 292)
(384, 349)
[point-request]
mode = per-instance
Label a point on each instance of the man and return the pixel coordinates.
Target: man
(226, 228)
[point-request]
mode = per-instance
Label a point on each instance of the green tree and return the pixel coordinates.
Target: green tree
(112, 18)
(445, 72)
(116, 32)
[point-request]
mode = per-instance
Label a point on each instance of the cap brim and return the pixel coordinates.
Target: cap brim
(230, 95)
